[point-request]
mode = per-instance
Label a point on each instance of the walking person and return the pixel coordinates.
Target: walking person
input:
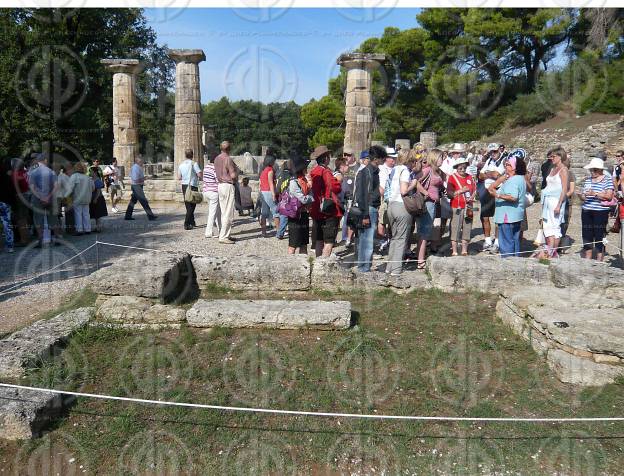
(137, 179)
(97, 207)
(325, 209)
(299, 186)
(43, 185)
(597, 195)
(211, 196)
(227, 176)
(510, 205)
(113, 183)
(365, 207)
(461, 191)
(399, 219)
(80, 190)
(269, 194)
(189, 175)
(554, 198)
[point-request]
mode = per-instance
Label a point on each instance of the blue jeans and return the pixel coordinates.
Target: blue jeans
(509, 238)
(282, 226)
(7, 227)
(365, 242)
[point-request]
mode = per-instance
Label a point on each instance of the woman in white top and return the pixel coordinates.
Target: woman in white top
(399, 219)
(554, 198)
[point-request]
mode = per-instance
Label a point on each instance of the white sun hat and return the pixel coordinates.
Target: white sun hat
(493, 146)
(595, 163)
(457, 147)
(459, 161)
(391, 152)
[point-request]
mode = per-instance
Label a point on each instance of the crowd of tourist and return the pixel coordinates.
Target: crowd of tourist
(387, 202)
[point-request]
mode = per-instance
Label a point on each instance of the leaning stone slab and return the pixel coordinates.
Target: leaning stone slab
(582, 338)
(168, 277)
(254, 273)
(137, 312)
(39, 341)
(319, 315)
(25, 413)
(485, 274)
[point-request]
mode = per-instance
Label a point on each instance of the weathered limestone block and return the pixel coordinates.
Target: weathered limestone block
(591, 276)
(471, 273)
(582, 339)
(25, 413)
(39, 341)
(321, 315)
(168, 277)
(254, 273)
(132, 311)
(328, 274)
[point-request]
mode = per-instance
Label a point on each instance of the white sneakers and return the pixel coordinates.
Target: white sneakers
(115, 210)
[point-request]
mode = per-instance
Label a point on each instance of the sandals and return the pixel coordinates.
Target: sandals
(421, 264)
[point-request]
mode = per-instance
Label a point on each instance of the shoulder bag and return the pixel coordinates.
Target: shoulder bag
(193, 196)
(415, 203)
(328, 205)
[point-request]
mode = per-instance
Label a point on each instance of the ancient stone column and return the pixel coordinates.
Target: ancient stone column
(188, 127)
(125, 120)
(359, 104)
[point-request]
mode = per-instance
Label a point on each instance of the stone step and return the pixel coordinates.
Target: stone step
(24, 414)
(39, 341)
(319, 315)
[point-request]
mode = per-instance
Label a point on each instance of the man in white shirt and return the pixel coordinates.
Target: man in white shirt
(493, 168)
(189, 175)
(384, 173)
(137, 178)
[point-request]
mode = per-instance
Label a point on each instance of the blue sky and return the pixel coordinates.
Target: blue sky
(271, 54)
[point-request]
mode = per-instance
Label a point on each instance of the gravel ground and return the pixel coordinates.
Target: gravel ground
(27, 301)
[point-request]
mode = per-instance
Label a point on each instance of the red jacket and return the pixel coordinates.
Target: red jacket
(324, 184)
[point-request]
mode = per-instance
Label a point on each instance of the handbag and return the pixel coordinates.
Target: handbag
(415, 203)
(528, 200)
(289, 205)
(99, 184)
(193, 196)
(609, 203)
(328, 206)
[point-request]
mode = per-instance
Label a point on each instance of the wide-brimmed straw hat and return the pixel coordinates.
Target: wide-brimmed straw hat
(457, 147)
(391, 152)
(459, 161)
(595, 163)
(319, 151)
(493, 146)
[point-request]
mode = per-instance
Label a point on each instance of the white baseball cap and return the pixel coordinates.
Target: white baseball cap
(493, 146)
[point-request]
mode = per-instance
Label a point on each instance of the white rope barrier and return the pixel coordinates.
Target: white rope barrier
(97, 242)
(318, 414)
(8, 290)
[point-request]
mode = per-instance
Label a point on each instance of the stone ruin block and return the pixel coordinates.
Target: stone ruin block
(319, 315)
(254, 273)
(168, 277)
(39, 341)
(137, 312)
(582, 341)
(24, 414)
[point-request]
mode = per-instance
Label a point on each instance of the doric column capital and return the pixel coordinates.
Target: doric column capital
(130, 66)
(360, 60)
(187, 56)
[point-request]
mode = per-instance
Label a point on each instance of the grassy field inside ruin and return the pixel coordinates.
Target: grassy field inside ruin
(425, 353)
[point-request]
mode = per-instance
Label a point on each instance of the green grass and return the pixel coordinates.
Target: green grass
(423, 353)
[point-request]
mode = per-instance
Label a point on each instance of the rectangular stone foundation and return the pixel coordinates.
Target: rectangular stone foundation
(318, 315)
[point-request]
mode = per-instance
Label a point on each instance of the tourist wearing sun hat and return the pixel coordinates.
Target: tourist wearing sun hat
(597, 195)
(461, 190)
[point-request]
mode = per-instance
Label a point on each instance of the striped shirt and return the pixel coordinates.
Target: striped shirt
(593, 202)
(210, 179)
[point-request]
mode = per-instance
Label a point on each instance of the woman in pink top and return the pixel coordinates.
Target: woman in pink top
(428, 182)
(210, 191)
